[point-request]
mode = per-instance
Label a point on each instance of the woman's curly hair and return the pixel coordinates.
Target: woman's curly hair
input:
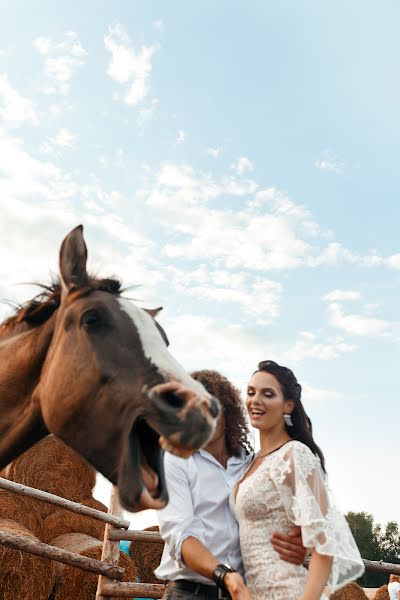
(236, 427)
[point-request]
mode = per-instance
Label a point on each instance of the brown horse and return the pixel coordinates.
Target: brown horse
(81, 362)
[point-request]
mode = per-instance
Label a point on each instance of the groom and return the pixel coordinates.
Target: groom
(201, 533)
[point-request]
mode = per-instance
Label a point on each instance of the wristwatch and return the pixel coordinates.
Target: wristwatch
(219, 575)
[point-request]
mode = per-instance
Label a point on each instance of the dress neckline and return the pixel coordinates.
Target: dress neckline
(243, 478)
(272, 451)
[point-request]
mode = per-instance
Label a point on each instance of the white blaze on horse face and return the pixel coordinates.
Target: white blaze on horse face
(155, 348)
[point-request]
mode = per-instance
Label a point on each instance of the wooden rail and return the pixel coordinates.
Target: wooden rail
(25, 544)
(137, 536)
(24, 490)
(383, 567)
(132, 590)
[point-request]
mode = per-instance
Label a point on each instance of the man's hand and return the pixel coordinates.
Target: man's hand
(236, 587)
(289, 547)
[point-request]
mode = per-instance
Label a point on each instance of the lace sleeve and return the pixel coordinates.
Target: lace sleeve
(302, 485)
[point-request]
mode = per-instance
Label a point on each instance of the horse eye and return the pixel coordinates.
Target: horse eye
(91, 319)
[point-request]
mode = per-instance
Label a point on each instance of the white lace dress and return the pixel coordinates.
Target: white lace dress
(289, 488)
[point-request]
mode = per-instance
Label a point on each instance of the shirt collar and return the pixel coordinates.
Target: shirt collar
(232, 460)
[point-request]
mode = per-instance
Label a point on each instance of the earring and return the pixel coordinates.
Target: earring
(288, 419)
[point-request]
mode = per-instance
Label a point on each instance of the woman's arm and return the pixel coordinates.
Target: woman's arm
(318, 575)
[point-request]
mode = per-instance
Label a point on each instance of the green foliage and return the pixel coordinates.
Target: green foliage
(375, 543)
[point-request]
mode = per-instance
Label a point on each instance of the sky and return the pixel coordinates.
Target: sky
(238, 161)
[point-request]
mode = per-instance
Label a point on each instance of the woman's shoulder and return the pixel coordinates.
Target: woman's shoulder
(295, 446)
(296, 451)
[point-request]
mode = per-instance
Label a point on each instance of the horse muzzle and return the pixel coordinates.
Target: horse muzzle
(180, 427)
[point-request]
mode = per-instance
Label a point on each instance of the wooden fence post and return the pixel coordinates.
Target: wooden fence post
(110, 552)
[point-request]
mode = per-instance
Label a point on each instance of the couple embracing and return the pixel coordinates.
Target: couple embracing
(238, 525)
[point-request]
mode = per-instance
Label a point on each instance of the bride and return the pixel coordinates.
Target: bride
(285, 485)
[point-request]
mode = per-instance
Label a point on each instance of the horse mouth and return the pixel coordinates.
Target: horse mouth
(142, 483)
(141, 479)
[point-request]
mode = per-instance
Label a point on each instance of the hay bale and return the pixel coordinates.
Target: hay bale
(53, 467)
(351, 591)
(147, 557)
(73, 583)
(61, 521)
(382, 593)
(24, 511)
(23, 576)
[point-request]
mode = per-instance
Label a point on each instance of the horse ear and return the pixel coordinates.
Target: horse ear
(153, 312)
(73, 257)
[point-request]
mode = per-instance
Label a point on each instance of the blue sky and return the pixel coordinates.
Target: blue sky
(240, 161)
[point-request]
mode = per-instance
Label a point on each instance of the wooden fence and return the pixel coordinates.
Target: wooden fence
(107, 568)
(116, 529)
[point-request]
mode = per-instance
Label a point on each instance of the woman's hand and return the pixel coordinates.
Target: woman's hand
(236, 587)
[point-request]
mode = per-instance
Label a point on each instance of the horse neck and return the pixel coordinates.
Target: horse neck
(22, 353)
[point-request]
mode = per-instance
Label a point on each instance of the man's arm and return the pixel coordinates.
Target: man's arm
(184, 532)
(177, 520)
(199, 559)
(289, 547)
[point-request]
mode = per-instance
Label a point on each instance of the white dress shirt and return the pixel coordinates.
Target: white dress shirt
(199, 488)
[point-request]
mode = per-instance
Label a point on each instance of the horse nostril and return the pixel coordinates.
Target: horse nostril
(214, 407)
(172, 400)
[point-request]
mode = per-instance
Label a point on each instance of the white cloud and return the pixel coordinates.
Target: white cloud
(213, 152)
(269, 231)
(158, 24)
(340, 295)
(181, 136)
(393, 261)
(255, 296)
(147, 113)
(308, 346)
(242, 165)
(250, 237)
(329, 163)
(14, 108)
(24, 176)
(38, 207)
(311, 395)
(64, 137)
(129, 67)
(200, 342)
(61, 61)
(60, 108)
(354, 323)
(333, 254)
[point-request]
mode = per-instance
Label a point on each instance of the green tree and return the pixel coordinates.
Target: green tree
(390, 543)
(374, 544)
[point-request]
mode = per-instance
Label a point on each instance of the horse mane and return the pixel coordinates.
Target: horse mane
(40, 308)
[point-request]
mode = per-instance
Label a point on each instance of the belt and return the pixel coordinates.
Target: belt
(194, 587)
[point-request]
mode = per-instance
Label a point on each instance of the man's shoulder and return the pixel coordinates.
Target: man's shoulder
(176, 462)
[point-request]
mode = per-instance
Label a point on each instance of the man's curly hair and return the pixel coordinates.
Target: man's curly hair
(236, 428)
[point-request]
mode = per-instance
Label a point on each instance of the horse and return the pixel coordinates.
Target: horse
(84, 363)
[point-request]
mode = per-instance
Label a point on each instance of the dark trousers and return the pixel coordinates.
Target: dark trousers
(200, 592)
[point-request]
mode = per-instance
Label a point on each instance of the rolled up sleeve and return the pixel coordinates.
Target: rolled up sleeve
(177, 520)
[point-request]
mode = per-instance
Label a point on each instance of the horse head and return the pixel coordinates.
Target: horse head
(96, 386)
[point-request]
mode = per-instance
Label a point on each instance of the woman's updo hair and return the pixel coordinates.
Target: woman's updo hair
(291, 389)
